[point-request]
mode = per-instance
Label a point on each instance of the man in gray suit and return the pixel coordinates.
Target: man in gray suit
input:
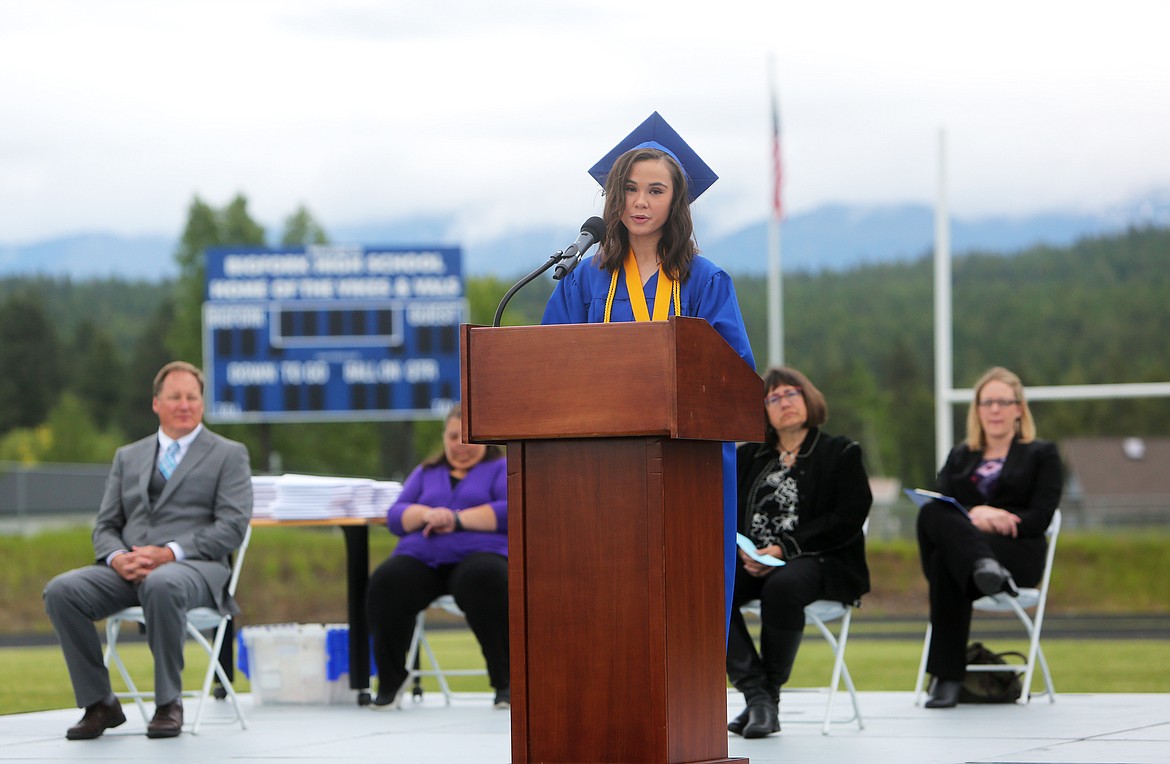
(176, 505)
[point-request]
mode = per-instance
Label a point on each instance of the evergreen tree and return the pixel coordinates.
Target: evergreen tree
(1090, 313)
(148, 355)
(97, 374)
(30, 360)
(206, 227)
(301, 229)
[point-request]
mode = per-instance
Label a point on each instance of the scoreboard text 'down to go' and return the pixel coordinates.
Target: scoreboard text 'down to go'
(332, 333)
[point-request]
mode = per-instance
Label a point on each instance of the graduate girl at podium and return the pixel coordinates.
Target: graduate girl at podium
(648, 266)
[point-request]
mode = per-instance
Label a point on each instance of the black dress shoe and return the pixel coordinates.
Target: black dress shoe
(737, 724)
(97, 719)
(384, 702)
(944, 693)
(387, 698)
(992, 578)
(167, 721)
(763, 720)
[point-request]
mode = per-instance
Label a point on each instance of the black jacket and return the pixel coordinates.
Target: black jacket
(1029, 484)
(833, 504)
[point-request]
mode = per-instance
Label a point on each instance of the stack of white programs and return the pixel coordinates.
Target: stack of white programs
(320, 497)
(263, 494)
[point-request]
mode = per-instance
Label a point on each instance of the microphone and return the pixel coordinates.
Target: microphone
(592, 231)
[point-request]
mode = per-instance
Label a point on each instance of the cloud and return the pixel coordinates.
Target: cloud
(489, 114)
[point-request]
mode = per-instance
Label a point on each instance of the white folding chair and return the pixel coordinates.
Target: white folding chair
(819, 614)
(1030, 599)
(199, 620)
(419, 642)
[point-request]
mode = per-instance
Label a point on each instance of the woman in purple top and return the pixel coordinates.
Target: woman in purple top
(452, 522)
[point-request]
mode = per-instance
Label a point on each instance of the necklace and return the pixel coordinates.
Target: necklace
(788, 455)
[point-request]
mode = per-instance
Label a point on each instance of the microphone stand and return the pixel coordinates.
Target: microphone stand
(553, 259)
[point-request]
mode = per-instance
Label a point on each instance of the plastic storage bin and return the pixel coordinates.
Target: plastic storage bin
(297, 663)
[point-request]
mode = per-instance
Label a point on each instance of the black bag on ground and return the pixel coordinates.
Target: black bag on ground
(990, 686)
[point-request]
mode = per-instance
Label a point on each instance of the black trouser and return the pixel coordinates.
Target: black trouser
(783, 595)
(402, 586)
(949, 545)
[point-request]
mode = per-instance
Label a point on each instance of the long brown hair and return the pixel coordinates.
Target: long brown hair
(676, 248)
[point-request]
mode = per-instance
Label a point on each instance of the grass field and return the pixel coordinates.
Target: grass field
(35, 677)
(298, 575)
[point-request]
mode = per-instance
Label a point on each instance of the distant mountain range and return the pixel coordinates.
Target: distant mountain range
(831, 237)
(93, 255)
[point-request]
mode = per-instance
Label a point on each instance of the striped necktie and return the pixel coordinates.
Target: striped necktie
(168, 463)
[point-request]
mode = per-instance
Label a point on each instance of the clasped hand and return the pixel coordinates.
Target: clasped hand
(438, 520)
(136, 564)
(995, 520)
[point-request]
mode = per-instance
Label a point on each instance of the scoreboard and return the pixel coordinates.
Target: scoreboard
(332, 333)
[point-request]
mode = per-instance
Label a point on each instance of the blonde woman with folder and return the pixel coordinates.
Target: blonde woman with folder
(1009, 483)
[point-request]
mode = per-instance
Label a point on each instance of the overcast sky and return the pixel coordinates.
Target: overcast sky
(115, 114)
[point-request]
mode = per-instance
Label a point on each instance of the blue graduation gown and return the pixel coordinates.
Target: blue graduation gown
(708, 293)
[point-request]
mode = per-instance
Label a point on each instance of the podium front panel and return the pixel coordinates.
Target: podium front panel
(618, 618)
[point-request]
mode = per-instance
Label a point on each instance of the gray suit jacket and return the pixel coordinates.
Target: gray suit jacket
(205, 507)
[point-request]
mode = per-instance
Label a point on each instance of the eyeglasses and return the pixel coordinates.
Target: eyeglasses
(789, 395)
(1003, 403)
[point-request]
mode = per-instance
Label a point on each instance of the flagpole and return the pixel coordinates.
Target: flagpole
(775, 284)
(944, 426)
(775, 296)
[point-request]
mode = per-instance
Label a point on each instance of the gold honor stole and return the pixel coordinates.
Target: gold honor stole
(667, 289)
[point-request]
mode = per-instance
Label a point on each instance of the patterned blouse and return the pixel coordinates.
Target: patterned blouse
(773, 503)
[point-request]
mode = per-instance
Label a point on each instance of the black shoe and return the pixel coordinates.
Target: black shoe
(944, 693)
(503, 698)
(167, 721)
(737, 724)
(763, 720)
(992, 578)
(97, 719)
(384, 703)
(386, 699)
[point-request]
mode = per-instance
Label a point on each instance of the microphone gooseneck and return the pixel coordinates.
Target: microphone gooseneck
(592, 231)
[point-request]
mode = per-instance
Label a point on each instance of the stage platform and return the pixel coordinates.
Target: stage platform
(1076, 729)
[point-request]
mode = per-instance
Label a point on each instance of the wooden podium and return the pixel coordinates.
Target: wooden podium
(615, 530)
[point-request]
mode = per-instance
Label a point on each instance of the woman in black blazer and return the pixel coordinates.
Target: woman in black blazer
(803, 498)
(1010, 483)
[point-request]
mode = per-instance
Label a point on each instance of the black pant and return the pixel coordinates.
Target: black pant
(402, 586)
(783, 595)
(949, 545)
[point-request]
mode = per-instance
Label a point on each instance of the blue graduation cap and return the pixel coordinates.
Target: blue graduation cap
(655, 133)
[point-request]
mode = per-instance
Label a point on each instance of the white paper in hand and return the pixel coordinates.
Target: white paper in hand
(746, 545)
